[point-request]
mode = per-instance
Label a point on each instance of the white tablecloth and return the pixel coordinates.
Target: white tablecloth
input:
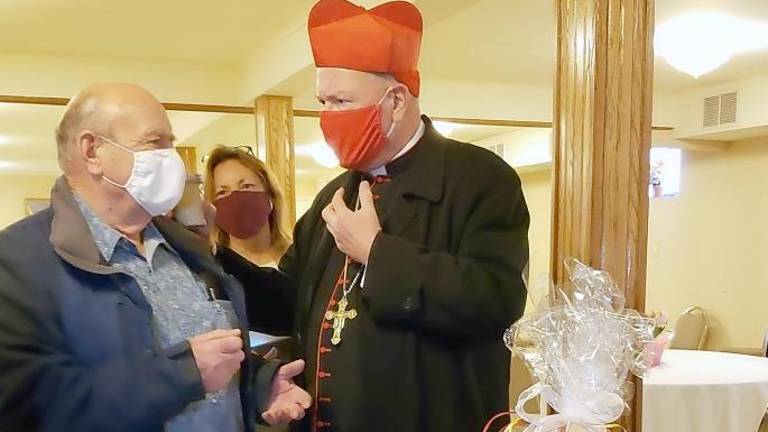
(704, 391)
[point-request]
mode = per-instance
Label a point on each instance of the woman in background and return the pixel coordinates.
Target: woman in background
(249, 232)
(248, 236)
(249, 207)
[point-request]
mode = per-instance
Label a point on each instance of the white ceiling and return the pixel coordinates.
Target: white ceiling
(514, 42)
(509, 41)
(168, 30)
(495, 40)
(489, 40)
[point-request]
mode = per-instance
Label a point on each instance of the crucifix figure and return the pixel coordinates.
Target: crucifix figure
(339, 318)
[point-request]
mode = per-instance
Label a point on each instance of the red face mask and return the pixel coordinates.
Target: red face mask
(243, 213)
(356, 136)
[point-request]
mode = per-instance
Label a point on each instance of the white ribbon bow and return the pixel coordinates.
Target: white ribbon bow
(572, 411)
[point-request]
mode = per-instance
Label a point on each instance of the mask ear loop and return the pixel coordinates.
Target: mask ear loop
(392, 126)
(107, 179)
(116, 144)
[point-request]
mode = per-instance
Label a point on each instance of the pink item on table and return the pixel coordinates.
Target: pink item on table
(655, 349)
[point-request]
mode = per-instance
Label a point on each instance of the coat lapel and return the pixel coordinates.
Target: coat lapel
(400, 215)
(70, 236)
(419, 176)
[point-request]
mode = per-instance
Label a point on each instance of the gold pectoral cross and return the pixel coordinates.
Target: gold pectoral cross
(339, 319)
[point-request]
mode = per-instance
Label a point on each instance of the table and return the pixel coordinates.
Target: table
(705, 391)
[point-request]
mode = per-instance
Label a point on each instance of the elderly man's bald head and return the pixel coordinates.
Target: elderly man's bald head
(99, 108)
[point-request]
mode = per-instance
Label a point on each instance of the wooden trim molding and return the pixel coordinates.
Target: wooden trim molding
(477, 122)
(234, 109)
(170, 106)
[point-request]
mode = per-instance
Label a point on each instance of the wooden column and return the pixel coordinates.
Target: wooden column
(189, 156)
(275, 145)
(602, 138)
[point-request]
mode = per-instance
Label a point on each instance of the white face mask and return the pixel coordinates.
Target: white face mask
(157, 179)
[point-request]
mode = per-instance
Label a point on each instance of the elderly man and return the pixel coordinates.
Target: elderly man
(404, 287)
(113, 318)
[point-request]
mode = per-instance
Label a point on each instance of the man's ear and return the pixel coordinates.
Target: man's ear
(400, 95)
(85, 149)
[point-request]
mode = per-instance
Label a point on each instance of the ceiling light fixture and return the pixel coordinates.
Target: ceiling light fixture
(321, 153)
(699, 42)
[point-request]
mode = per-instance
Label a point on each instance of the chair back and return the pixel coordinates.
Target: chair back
(690, 330)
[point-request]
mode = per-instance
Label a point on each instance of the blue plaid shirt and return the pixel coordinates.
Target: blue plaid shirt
(181, 309)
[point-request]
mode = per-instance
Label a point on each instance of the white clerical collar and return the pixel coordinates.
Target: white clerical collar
(382, 170)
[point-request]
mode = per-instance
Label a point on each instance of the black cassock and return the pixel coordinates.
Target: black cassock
(444, 281)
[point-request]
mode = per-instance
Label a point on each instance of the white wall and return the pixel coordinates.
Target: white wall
(709, 246)
(706, 247)
(30, 75)
(14, 190)
(523, 147)
(752, 105)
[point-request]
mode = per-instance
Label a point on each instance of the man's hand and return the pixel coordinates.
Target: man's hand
(287, 402)
(354, 231)
(218, 355)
